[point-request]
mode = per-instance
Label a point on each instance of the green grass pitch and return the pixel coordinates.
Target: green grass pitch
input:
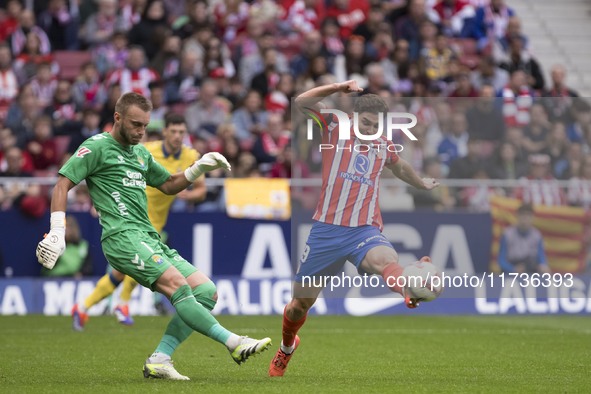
(337, 354)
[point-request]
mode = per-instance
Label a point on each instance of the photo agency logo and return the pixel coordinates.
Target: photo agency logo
(366, 136)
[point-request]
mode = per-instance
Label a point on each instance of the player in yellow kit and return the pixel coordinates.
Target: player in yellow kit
(175, 157)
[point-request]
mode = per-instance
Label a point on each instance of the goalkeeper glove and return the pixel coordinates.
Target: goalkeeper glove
(53, 244)
(209, 162)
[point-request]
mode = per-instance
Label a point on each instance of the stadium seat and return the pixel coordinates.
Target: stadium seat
(70, 63)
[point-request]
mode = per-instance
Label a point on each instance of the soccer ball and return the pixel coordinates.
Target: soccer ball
(423, 281)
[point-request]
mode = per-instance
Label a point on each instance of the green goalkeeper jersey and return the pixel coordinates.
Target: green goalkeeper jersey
(117, 177)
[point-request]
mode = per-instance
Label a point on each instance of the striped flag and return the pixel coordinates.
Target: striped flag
(565, 231)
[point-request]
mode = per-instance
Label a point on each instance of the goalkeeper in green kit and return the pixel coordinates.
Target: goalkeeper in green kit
(117, 170)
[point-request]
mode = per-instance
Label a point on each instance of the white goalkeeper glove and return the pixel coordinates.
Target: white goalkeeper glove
(54, 243)
(208, 162)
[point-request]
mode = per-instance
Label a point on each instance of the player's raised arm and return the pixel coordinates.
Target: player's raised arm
(181, 180)
(52, 246)
(313, 96)
(404, 171)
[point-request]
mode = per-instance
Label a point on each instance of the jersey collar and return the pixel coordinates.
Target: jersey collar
(166, 153)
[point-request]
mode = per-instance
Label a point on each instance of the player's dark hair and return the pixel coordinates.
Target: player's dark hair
(371, 103)
(130, 99)
(173, 118)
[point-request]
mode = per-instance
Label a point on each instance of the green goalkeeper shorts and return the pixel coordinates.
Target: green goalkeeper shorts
(143, 256)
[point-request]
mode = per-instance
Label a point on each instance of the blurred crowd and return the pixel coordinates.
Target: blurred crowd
(465, 68)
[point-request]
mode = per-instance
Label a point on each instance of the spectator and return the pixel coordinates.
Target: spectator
(22, 114)
(113, 94)
(152, 28)
(376, 79)
(195, 16)
(537, 131)
(452, 16)
(331, 39)
(312, 47)
(351, 63)
(18, 39)
(63, 109)
(43, 148)
(100, 27)
(136, 76)
(88, 91)
(304, 16)
(491, 22)
(463, 88)
(489, 74)
(581, 126)
(500, 50)
(505, 164)
(570, 165)
(521, 249)
(27, 62)
(455, 144)
(231, 17)
(391, 64)
(89, 127)
(8, 81)
(270, 143)
(251, 119)
(76, 260)
(167, 61)
(470, 165)
(279, 99)
(517, 100)
(267, 80)
(349, 14)
(485, 120)
(440, 199)
(44, 84)
(159, 107)
(560, 106)
(435, 61)
(408, 27)
(206, 114)
(254, 64)
(81, 201)
(539, 193)
(369, 28)
(521, 59)
(579, 190)
(60, 24)
(217, 62)
(113, 55)
(557, 144)
(9, 23)
(184, 86)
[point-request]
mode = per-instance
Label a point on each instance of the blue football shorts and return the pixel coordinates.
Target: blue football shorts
(329, 246)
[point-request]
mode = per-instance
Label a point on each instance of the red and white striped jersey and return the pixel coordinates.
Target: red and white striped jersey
(351, 172)
(133, 81)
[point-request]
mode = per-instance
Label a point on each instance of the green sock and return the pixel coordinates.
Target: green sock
(177, 330)
(197, 316)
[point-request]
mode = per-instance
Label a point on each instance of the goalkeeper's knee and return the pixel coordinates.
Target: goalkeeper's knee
(206, 294)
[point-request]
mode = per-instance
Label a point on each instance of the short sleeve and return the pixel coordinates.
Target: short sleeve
(156, 174)
(83, 162)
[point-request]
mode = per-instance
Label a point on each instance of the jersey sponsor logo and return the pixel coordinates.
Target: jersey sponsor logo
(83, 152)
(361, 164)
(356, 178)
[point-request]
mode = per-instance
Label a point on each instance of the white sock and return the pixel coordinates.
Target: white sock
(157, 357)
(233, 341)
(287, 349)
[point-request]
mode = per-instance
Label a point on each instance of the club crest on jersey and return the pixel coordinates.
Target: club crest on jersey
(83, 152)
(141, 161)
(361, 164)
(157, 259)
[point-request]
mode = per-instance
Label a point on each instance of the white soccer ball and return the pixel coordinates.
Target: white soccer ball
(423, 281)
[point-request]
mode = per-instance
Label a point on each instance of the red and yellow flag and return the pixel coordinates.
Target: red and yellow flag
(565, 231)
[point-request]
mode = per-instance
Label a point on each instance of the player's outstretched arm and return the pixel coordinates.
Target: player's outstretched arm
(181, 180)
(313, 96)
(53, 245)
(404, 171)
